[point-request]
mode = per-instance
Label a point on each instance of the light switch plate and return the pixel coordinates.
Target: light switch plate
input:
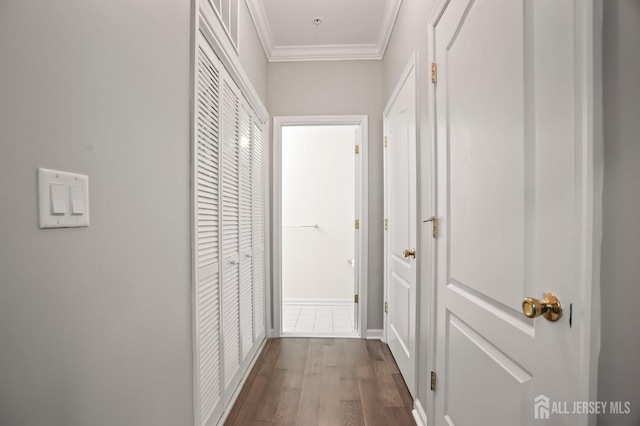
(68, 188)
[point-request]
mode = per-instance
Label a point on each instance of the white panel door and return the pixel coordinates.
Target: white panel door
(509, 203)
(400, 237)
(207, 238)
(257, 194)
(230, 109)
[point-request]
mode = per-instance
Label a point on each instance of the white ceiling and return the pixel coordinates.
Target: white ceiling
(350, 29)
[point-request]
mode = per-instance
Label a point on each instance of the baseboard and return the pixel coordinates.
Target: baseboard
(375, 334)
(245, 376)
(418, 413)
(340, 302)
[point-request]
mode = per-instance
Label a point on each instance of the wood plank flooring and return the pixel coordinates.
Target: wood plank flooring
(310, 381)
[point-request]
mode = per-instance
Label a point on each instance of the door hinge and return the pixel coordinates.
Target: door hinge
(386, 308)
(356, 298)
(385, 141)
(434, 226)
(433, 380)
(434, 72)
(386, 224)
(357, 223)
(357, 149)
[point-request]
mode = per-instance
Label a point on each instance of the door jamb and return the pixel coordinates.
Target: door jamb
(276, 220)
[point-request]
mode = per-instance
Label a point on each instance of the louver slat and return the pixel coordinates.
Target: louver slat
(207, 237)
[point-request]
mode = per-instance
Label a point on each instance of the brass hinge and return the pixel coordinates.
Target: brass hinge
(357, 149)
(434, 226)
(385, 141)
(357, 223)
(434, 72)
(356, 298)
(386, 308)
(386, 224)
(433, 380)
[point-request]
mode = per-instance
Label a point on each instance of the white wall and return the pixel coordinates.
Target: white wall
(318, 188)
(410, 34)
(341, 88)
(619, 375)
(95, 323)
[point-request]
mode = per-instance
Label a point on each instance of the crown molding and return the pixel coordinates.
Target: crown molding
(325, 53)
(388, 21)
(260, 20)
(322, 52)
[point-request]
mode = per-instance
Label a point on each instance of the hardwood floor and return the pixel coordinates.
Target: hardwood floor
(309, 381)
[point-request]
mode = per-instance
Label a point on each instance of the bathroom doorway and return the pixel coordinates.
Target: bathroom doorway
(320, 227)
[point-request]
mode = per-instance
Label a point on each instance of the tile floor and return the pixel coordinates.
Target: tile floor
(317, 319)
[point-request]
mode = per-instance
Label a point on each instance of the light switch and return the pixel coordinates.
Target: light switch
(63, 199)
(58, 199)
(77, 200)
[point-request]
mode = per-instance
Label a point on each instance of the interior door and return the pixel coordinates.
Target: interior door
(246, 230)
(357, 238)
(510, 203)
(230, 235)
(208, 389)
(257, 256)
(400, 214)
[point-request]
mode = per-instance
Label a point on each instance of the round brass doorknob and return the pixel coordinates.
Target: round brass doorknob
(549, 307)
(411, 253)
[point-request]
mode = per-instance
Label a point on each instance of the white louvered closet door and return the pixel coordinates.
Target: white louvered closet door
(257, 201)
(207, 243)
(230, 109)
(246, 231)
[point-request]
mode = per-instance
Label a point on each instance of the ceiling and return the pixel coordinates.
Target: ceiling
(349, 29)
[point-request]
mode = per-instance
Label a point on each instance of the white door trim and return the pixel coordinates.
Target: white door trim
(362, 201)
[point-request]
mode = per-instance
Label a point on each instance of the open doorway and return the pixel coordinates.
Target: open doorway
(319, 225)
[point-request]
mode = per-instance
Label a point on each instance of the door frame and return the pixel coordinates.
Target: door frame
(589, 174)
(362, 211)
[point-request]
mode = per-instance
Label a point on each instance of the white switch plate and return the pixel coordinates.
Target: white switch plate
(74, 195)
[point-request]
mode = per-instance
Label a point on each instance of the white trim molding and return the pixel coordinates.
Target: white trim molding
(243, 380)
(418, 413)
(276, 53)
(362, 246)
(375, 334)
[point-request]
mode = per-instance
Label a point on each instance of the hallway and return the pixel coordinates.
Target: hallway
(306, 381)
(495, 224)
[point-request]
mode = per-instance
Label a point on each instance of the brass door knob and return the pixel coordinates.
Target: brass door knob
(411, 253)
(549, 307)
